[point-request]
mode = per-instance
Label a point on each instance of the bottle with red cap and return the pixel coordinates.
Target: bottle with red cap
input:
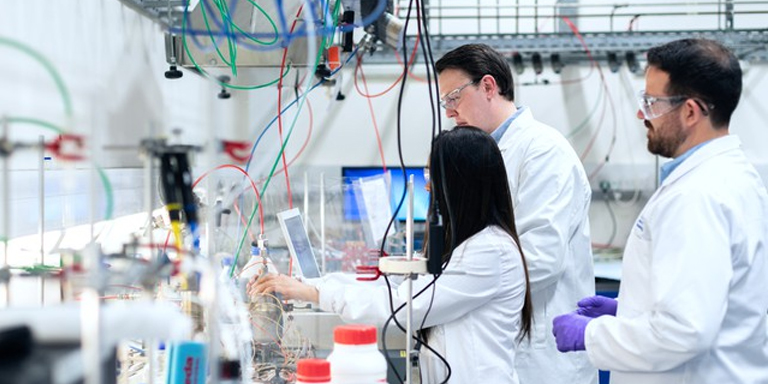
(356, 357)
(314, 371)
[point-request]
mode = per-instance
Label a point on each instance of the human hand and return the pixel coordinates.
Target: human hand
(288, 287)
(569, 330)
(596, 306)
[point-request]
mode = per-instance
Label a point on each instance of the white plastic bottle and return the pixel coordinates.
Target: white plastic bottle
(313, 371)
(356, 358)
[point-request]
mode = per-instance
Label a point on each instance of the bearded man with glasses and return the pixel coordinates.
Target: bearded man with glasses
(694, 294)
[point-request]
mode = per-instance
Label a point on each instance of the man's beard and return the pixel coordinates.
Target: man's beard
(664, 141)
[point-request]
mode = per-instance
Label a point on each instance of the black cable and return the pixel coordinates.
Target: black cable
(435, 116)
(431, 63)
(429, 308)
(402, 197)
(393, 317)
(429, 70)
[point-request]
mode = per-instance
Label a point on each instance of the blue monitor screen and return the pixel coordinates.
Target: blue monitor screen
(420, 194)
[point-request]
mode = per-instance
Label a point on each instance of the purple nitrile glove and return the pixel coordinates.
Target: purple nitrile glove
(596, 306)
(569, 331)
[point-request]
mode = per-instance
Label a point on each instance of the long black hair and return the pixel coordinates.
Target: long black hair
(469, 180)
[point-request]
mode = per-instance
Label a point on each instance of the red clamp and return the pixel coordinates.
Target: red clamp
(67, 147)
(370, 269)
(232, 148)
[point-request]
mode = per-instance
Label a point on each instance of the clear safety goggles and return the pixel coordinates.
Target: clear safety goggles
(653, 107)
(450, 100)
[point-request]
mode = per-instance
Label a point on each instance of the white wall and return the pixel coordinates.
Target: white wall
(113, 61)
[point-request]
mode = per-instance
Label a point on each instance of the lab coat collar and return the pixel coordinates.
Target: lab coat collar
(523, 119)
(714, 148)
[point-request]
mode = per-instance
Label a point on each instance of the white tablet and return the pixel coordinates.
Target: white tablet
(298, 243)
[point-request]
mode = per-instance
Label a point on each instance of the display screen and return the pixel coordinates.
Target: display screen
(297, 236)
(420, 195)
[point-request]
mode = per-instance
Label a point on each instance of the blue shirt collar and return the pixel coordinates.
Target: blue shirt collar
(499, 132)
(667, 168)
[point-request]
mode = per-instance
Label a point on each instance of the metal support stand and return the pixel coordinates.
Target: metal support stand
(322, 221)
(90, 316)
(409, 282)
(409, 266)
(41, 225)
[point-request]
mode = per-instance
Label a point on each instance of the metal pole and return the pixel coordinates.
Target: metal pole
(306, 203)
(149, 201)
(41, 225)
(409, 282)
(90, 316)
(322, 220)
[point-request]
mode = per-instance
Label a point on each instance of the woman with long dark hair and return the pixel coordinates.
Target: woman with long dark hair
(480, 308)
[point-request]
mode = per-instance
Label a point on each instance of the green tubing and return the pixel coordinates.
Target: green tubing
(107, 191)
(206, 74)
(269, 19)
(33, 121)
(230, 63)
(318, 55)
(48, 67)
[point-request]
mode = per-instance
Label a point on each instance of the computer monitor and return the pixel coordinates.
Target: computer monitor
(353, 212)
(298, 242)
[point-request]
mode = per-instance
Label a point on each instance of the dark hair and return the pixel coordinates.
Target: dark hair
(478, 60)
(469, 180)
(701, 69)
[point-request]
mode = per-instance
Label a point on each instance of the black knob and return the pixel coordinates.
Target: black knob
(173, 73)
(224, 94)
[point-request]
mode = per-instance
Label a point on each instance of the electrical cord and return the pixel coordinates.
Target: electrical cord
(253, 186)
(402, 199)
(403, 79)
(430, 62)
(301, 32)
(279, 114)
(301, 101)
(612, 143)
(373, 115)
(393, 317)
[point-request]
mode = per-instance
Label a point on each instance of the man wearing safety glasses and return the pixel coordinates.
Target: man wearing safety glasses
(694, 292)
(550, 195)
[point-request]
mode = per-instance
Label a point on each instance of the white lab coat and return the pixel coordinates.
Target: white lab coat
(475, 313)
(694, 290)
(551, 196)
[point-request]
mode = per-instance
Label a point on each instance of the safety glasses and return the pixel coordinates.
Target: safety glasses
(450, 100)
(653, 107)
